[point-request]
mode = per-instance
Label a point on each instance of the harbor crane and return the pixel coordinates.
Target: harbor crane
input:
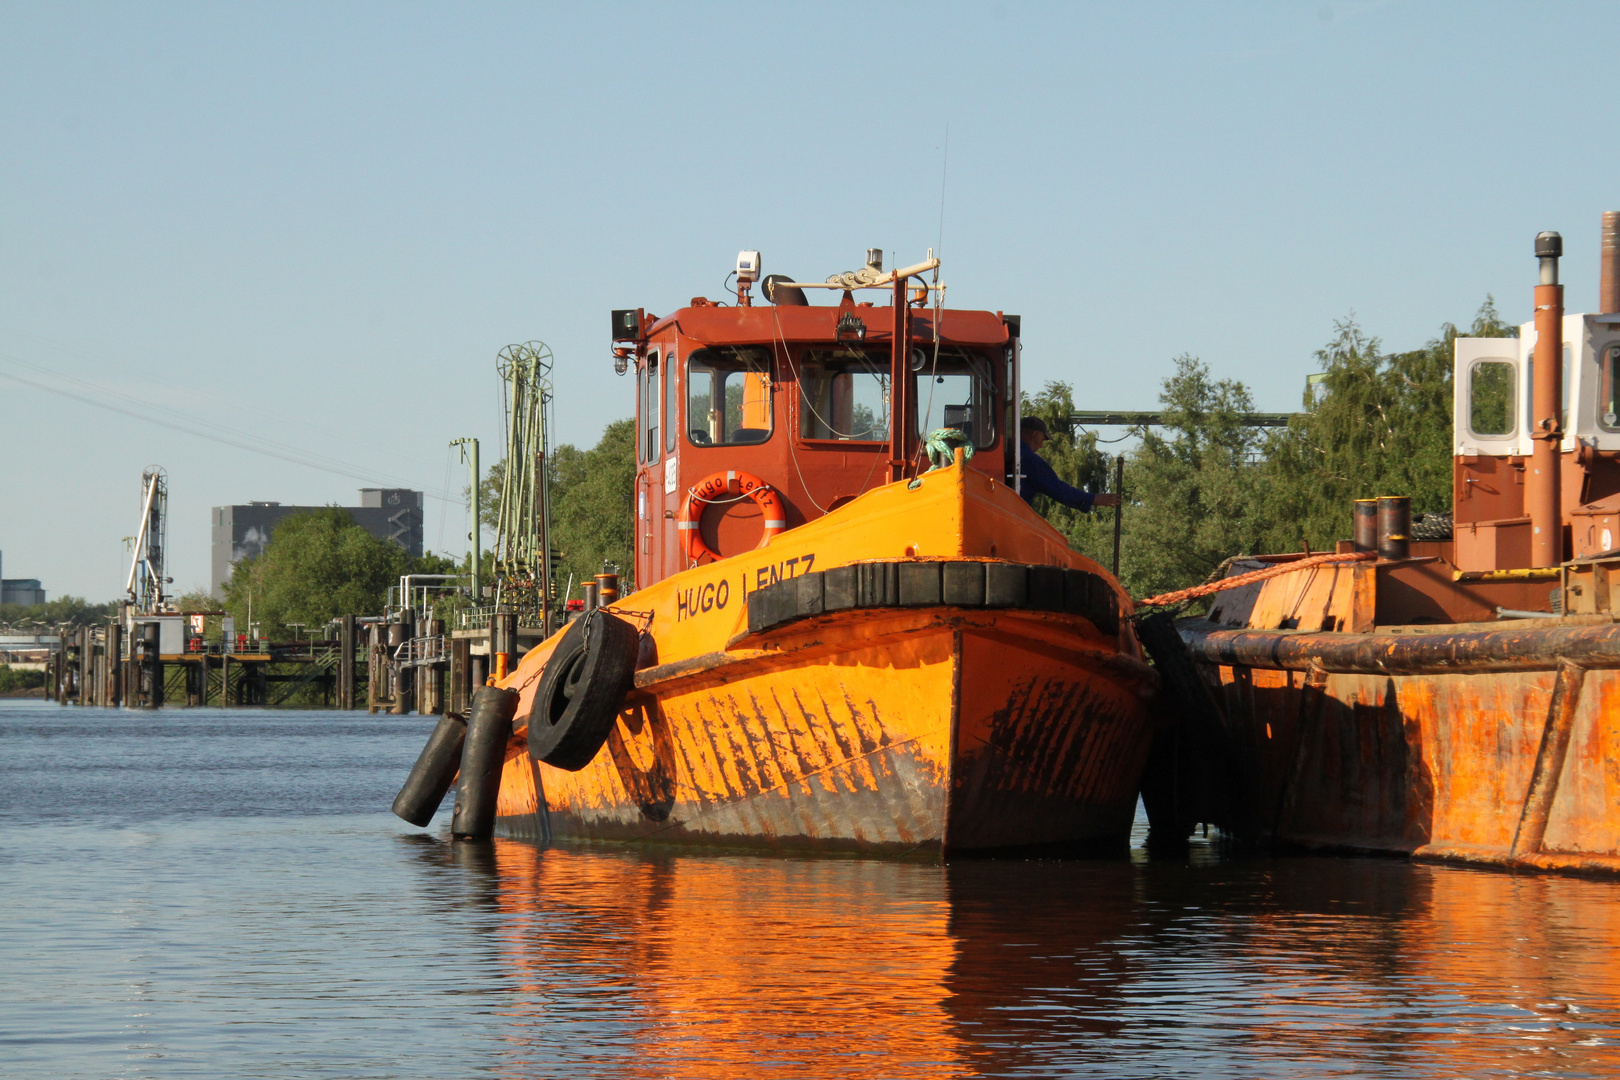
(146, 570)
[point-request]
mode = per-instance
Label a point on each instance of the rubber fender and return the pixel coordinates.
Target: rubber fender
(433, 773)
(1006, 585)
(1045, 588)
(1104, 609)
(877, 584)
(808, 597)
(919, 584)
(951, 583)
(1077, 592)
(488, 727)
(963, 584)
(839, 589)
(583, 690)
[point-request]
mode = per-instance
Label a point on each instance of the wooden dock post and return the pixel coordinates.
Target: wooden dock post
(115, 665)
(399, 634)
(431, 679)
(152, 667)
(459, 692)
(86, 665)
(345, 679)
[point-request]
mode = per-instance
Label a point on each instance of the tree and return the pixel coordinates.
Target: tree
(1075, 458)
(1376, 424)
(63, 611)
(318, 565)
(592, 503)
(196, 600)
(1193, 484)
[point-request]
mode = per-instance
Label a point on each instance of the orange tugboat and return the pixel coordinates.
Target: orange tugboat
(1453, 699)
(849, 632)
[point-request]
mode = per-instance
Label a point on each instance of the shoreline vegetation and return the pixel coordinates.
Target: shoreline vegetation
(21, 682)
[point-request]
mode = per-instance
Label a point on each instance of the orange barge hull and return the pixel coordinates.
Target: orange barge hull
(1490, 746)
(947, 718)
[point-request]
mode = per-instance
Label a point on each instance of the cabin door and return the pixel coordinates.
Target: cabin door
(668, 496)
(650, 462)
(658, 488)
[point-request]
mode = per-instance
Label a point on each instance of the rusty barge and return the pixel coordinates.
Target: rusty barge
(1457, 699)
(849, 631)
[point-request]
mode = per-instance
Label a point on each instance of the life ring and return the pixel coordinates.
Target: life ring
(705, 491)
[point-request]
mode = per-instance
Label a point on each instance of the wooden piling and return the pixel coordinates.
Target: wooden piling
(345, 674)
(399, 633)
(431, 679)
(115, 665)
(87, 677)
(460, 692)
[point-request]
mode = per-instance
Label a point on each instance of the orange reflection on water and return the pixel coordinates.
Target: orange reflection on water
(733, 966)
(625, 963)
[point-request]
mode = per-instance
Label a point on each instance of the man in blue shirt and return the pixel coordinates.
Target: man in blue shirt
(1039, 479)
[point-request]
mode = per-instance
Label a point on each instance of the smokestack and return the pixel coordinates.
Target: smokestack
(1541, 483)
(1609, 271)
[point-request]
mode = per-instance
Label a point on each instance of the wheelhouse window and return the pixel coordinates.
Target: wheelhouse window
(650, 399)
(1530, 397)
(671, 404)
(957, 389)
(844, 394)
(1491, 393)
(728, 396)
(1608, 408)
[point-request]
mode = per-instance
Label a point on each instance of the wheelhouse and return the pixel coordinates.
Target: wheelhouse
(818, 401)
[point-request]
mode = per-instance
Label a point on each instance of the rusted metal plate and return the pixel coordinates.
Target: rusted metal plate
(1442, 766)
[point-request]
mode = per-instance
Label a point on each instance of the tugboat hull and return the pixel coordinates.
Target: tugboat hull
(932, 671)
(947, 731)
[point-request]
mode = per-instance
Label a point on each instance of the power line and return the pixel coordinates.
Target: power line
(194, 428)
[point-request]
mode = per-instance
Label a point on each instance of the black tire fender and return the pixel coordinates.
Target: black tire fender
(582, 691)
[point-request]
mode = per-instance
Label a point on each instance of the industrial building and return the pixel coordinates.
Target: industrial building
(241, 532)
(19, 590)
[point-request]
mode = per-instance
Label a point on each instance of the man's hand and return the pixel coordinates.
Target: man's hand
(1105, 500)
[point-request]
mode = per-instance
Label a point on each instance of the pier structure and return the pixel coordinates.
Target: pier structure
(140, 663)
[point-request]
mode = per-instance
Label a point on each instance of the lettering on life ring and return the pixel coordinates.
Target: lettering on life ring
(733, 484)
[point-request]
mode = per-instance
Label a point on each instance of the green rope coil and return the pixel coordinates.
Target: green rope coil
(941, 444)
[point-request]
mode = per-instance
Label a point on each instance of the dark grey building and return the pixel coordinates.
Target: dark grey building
(20, 590)
(241, 532)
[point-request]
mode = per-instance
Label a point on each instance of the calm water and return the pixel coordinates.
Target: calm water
(224, 894)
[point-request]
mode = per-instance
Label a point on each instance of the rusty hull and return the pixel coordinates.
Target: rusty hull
(896, 730)
(1493, 744)
(935, 731)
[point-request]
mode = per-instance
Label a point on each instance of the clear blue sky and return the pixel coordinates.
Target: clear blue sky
(314, 225)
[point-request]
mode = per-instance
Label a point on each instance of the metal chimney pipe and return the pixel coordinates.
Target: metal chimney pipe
(1609, 270)
(1364, 524)
(1541, 494)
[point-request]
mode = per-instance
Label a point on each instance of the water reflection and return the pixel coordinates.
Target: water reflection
(643, 965)
(220, 916)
